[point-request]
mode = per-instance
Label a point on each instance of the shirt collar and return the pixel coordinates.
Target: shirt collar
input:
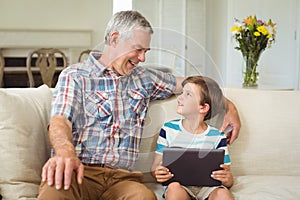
(93, 59)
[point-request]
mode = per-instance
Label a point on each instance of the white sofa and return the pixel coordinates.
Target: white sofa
(265, 157)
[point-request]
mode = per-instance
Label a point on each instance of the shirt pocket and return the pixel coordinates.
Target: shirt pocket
(97, 105)
(138, 101)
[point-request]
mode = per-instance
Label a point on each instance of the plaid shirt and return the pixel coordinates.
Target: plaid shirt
(107, 111)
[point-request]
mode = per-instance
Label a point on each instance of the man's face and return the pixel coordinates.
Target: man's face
(129, 52)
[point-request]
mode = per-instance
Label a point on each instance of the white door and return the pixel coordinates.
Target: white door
(278, 65)
(178, 42)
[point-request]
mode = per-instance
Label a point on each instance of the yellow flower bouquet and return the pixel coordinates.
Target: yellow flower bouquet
(253, 37)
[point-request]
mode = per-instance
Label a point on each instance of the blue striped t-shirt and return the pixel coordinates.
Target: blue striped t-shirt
(172, 134)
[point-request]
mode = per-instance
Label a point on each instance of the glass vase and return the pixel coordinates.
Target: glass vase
(250, 72)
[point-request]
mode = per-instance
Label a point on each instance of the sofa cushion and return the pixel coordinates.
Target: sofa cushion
(269, 140)
(24, 115)
(266, 187)
(159, 112)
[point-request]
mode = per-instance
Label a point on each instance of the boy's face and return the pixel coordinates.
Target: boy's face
(189, 100)
(131, 51)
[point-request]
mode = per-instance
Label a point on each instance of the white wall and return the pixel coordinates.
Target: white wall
(57, 14)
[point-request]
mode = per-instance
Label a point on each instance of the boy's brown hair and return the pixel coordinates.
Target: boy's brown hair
(210, 93)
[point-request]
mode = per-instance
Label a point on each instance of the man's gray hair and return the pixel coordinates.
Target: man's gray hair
(125, 22)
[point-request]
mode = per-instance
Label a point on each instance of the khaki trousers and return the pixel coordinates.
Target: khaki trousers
(101, 184)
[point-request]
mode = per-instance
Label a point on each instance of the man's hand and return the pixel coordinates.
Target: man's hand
(231, 119)
(58, 171)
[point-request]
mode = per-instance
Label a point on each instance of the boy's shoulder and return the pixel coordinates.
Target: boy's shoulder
(174, 124)
(213, 131)
(174, 121)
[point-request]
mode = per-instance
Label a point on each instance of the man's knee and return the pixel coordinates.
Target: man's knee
(146, 193)
(47, 192)
(129, 190)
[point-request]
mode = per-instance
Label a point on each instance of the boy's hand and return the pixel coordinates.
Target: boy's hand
(162, 174)
(224, 175)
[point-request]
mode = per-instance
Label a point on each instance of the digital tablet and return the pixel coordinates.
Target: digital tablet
(193, 167)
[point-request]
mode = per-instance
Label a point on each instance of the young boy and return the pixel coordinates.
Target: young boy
(201, 100)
